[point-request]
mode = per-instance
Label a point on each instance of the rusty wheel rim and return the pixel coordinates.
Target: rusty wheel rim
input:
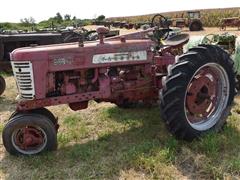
(206, 96)
(29, 139)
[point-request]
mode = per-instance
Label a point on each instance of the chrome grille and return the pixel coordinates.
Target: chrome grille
(23, 74)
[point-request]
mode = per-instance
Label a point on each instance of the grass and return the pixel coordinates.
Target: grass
(105, 142)
(5, 74)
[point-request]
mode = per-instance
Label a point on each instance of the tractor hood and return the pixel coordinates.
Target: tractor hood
(72, 56)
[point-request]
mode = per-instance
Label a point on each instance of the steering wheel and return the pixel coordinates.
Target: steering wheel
(211, 39)
(159, 21)
(161, 25)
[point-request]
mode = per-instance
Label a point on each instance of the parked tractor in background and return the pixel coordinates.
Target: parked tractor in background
(193, 21)
(195, 89)
(231, 22)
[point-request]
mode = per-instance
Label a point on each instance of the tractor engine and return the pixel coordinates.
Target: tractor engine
(114, 84)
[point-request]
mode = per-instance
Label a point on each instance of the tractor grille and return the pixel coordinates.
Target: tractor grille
(23, 74)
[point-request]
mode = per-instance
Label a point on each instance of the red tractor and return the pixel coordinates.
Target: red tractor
(195, 89)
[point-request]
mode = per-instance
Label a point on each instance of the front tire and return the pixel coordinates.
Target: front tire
(29, 134)
(40, 111)
(2, 85)
(198, 92)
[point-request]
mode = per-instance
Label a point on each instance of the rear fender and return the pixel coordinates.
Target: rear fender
(196, 40)
(193, 42)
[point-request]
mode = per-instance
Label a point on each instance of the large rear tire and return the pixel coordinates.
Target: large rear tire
(198, 92)
(196, 26)
(2, 85)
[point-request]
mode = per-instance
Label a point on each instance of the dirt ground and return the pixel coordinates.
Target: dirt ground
(213, 31)
(207, 30)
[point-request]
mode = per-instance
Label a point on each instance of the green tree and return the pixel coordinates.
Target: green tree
(74, 18)
(27, 21)
(100, 18)
(58, 18)
(67, 17)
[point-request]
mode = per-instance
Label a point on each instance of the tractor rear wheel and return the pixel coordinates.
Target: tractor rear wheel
(2, 85)
(196, 26)
(198, 92)
(29, 134)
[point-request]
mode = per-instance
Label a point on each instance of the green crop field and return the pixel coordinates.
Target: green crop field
(106, 142)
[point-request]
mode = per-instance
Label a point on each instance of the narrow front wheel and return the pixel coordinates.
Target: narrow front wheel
(29, 134)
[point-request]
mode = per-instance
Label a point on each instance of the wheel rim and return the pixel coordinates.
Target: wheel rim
(29, 140)
(206, 96)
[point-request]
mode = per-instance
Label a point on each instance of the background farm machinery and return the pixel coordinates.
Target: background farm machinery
(10, 41)
(231, 22)
(195, 89)
(229, 42)
(192, 20)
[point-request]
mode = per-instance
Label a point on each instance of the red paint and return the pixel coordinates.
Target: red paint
(201, 94)
(232, 22)
(29, 137)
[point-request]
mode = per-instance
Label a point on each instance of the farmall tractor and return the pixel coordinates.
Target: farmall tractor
(195, 89)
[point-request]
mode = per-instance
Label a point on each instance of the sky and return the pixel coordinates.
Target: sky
(14, 10)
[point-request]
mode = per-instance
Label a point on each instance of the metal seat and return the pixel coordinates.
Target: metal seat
(177, 40)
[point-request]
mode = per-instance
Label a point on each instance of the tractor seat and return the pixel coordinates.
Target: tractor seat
(177, 40)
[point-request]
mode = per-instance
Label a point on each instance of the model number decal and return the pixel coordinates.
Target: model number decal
(120, 57)
(62, 61)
